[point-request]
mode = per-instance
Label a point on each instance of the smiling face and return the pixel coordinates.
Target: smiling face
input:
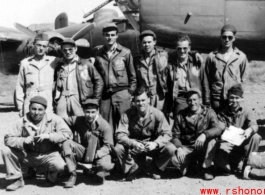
(36, 112)
(142, 103)
(183, 48)
(194, 102)
(111, 37)
(40, 47)
(69, 51)
(234, 101)
(148, 44)
(91, 113)
(227, 39)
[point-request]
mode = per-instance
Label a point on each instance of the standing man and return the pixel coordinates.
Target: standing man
(36, 76)
(186, 70)
(151, 70)
(115, 64)
(33, 140)
(225, 67)
(96, 143)
(143, 131)
(194, 134)
(229, 156)
(77, 81)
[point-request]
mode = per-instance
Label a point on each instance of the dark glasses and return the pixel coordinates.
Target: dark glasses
(182, 48)
(227, 37)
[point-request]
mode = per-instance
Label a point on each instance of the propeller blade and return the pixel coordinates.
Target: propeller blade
(81, 33)
(25, 30)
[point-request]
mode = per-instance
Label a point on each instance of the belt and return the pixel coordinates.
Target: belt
(69, 93)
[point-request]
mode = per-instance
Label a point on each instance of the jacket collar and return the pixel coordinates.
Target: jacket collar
(233, 57)
(38, 64)
(136, 117)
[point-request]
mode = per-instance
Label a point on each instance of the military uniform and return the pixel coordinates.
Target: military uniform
(185, 132)
(223, 75)
(182, 78)
(76, 82)
(35, 78)
(96, 144)
(118, 74)
(44, 153)
(154, 128)
(154, 77)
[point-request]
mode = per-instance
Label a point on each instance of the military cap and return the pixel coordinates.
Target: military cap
(41, 37)
(88, 102)
(147, 33)
(68, 41)
(192, 91)
(39, 100)
(228, 27)
(109, 27)
(236, 90)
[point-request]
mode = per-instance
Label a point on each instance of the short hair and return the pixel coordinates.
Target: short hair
(141, 90)
(181, 38)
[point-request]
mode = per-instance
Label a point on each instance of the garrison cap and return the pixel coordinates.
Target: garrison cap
(109, 27)
(41, 37)
(228, 27)
(39, 100)
(192, 91)
(88, 102)
(236, 90)
(68, 41)
(147, 33)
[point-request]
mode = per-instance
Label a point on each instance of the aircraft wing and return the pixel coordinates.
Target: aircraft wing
(8, 36)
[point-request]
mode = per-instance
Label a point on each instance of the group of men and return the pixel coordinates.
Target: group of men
(118, 108)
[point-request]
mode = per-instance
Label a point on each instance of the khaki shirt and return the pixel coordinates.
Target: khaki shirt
(154, 128)
(35, 78)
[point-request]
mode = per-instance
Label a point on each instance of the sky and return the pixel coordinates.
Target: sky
(28, 12)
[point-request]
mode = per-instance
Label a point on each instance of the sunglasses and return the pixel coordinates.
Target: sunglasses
(182, 48)
(227, 37)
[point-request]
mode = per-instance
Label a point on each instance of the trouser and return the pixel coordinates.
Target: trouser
(180, 103)
(229, 156)
(218, 105)
(69, 106)
(113, 105)
(13, 157)
(161, 157)
(204, 156)
(159, 101)
(74, 152)
(257, 163)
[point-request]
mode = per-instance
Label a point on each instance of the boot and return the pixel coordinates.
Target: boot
(207, 174)
(99, 178)
(133, 172)
(18, 183)
(31, 174)
(71, 182)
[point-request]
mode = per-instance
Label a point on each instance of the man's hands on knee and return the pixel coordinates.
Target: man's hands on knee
(180, 155)
(139, 147)
(149, 146)
(42, 137)
(200, 141)
(29, 140)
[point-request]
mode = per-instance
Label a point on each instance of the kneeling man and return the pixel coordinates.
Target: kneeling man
(229, 156)
(34, 140)
(143, 131)
(194, 134)
(96, 143)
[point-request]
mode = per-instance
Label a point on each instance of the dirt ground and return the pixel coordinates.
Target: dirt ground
(171, 183)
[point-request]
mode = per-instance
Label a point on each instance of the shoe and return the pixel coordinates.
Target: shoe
(51, 176)
(99, 178)
(224, 171)
(18, 183)
(31, 174)
(88, 172)
(156, 176)
(246, 172)
(71, 182)
(133, 172)
(207, 174)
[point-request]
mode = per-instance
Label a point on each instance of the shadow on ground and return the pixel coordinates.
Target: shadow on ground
(7, 107)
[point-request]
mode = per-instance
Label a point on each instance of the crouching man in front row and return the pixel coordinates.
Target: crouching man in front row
(230, 157)
(96, 143)
(34, 140)
(194, 134)
(143, 131)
